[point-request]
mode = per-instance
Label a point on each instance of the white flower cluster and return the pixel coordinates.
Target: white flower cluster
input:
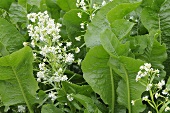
(156, 89)
(146, 70)
(52, 95)
(52, 53)
(21, 108)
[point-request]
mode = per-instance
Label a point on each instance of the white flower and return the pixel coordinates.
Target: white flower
(78, 38)
(157, 95)
(68, 44)
(69, 58)
(160, 84)
(138, 77)
(64, 78)
(77, 50)
(79, 61)
(41, 66)
(149, 86)
(32, 17)
(131, 17)
(79, 15)
(70, 97)
(167, 109)
(25, 43)
(34, 55)
(145, 98)
(149, 111)
(147, 65)
(95, 6)
(165, 92)
(103, 3)
(82, 25)
(52, 95)
(82, 3)
(133, 102)
(44, 50)
(40, 75)
(33, 43)
(57, 79)
(21, 108)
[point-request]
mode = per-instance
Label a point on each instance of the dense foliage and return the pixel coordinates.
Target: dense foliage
(84, 56)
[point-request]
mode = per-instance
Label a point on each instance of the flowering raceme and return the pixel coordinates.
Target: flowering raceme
(52, 53)
(155, 90)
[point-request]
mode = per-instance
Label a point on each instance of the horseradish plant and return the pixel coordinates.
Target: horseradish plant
(84, 56)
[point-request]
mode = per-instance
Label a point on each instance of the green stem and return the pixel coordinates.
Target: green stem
(155, 106)
(128, 91)
(113, 91)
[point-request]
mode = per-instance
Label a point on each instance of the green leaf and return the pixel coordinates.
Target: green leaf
(70, 88)
(23, 3)
(128, 88)
(11, 39)
(73, 28)
(16, 79)
(72, 23)
(87, 102)
(99, 24)
(34, 2)
(67, 5)
(112, 45)
(49, 108)
(121, 10)
(147, 48)
(17, 13)
(98, 75)
(121, 28)
(157, 18)
(5, 4)
(76, 89)
(3, 50)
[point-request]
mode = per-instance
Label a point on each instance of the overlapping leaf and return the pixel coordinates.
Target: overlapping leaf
(17, 13)
(10, 38)
(67, 5)
(99, 24)
(156, 17)
(17, 84)
(128, 88)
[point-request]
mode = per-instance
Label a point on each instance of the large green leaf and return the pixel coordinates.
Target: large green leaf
(121, 28)
(49, 108)
(10, 38)
(128, 88)
(17, 13)
(70, 88)
(72, 23)
(3, 51)
(157, 18)
(76, 89)
(112, 45)
(121, 10)
(17, 83)
(5, 4)
(67, 5)
(87, 102)
(99, 24)
(147, 48)
(34, 2)
(98, 75)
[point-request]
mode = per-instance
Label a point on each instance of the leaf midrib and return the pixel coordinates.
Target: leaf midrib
(21, 88)
(128, 89)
